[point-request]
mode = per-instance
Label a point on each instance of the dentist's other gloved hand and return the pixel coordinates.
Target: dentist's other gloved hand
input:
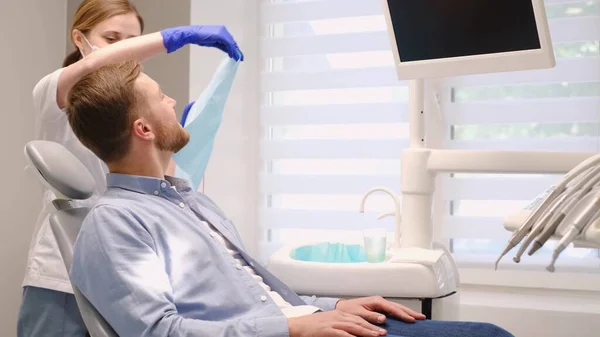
(206, 36)
(186, 111)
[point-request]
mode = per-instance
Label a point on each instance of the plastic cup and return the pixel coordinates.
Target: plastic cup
(375, 244)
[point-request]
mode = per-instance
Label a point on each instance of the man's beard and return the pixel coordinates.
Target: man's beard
(172, 138)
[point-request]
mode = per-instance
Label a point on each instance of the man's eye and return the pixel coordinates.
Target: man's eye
(110, 39)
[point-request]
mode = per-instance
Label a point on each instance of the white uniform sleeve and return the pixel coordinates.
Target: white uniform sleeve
(48, 116)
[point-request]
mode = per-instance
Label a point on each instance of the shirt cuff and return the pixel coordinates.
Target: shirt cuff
(327, 303)
(272, 327)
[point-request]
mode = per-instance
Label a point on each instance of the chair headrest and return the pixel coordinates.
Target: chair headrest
(59, 169)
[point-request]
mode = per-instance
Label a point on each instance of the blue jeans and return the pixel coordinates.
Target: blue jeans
(49, 313)
(428, 328)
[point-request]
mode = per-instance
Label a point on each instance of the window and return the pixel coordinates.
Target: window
(334, 120)
(543, 110)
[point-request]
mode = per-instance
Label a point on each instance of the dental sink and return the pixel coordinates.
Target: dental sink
(340, 269)
(330, 252)
(421, 276)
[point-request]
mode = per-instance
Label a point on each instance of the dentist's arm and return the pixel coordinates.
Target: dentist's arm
(143, 47)
(116, 267)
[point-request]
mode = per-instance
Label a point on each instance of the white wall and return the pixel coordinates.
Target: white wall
(231, 178)
(533, 312)
(33, 45)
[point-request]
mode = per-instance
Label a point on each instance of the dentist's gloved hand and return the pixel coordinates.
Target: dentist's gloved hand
(206, 36)
(185, 113)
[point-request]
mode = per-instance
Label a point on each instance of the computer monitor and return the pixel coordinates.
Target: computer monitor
(445, 38)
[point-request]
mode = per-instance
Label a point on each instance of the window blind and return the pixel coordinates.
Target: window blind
(334, 121)
(540, 110)
(334, 118)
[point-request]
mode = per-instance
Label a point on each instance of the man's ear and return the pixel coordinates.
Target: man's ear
(143, 130)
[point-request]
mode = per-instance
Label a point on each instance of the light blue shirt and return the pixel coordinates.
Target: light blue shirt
(148, 264)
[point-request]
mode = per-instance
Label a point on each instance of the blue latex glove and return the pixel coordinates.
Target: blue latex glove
(186, 111)
(206, 36)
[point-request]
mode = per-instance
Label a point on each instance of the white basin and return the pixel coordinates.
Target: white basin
(406, 273)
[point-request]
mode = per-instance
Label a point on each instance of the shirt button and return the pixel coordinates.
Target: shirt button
(181, 204)
(163, 184)
(213, 234)
(263, 298)
(238, 267)
(156, 192)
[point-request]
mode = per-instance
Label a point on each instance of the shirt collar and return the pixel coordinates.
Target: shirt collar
(144, 184)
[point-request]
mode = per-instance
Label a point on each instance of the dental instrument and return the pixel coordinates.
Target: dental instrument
(520, 234)
(538, 226)
(581, 188)
(555, 215)
(575, 229)
(559, 188)
(547, 231)
(591, 232)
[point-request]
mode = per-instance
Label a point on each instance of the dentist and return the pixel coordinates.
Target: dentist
(103, 32)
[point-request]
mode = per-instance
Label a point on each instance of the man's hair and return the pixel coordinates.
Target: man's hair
(102, 107)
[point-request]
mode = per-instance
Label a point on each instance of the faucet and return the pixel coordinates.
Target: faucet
(396, 213)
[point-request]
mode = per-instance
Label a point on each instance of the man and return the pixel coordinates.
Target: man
(157, 259)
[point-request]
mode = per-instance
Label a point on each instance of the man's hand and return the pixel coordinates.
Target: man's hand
(371, 309)
(332, 324)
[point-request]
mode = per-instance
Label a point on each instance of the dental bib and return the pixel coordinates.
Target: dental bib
(202, 123)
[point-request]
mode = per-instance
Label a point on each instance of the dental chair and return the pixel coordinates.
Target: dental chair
(59, 170)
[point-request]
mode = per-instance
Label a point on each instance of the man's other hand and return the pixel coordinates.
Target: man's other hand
(332, 324)
(373, 308)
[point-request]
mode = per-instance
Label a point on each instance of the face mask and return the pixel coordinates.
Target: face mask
(202, 123)
(93, 48)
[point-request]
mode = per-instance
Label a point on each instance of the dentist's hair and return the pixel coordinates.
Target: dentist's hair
(102, 107)
(92, 12)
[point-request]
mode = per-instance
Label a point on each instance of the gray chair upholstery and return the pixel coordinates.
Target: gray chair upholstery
(61, 171)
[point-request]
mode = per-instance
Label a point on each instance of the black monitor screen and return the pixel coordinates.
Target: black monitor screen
(434, 29)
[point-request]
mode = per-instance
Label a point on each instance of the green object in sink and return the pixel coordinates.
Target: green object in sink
(328, 252)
